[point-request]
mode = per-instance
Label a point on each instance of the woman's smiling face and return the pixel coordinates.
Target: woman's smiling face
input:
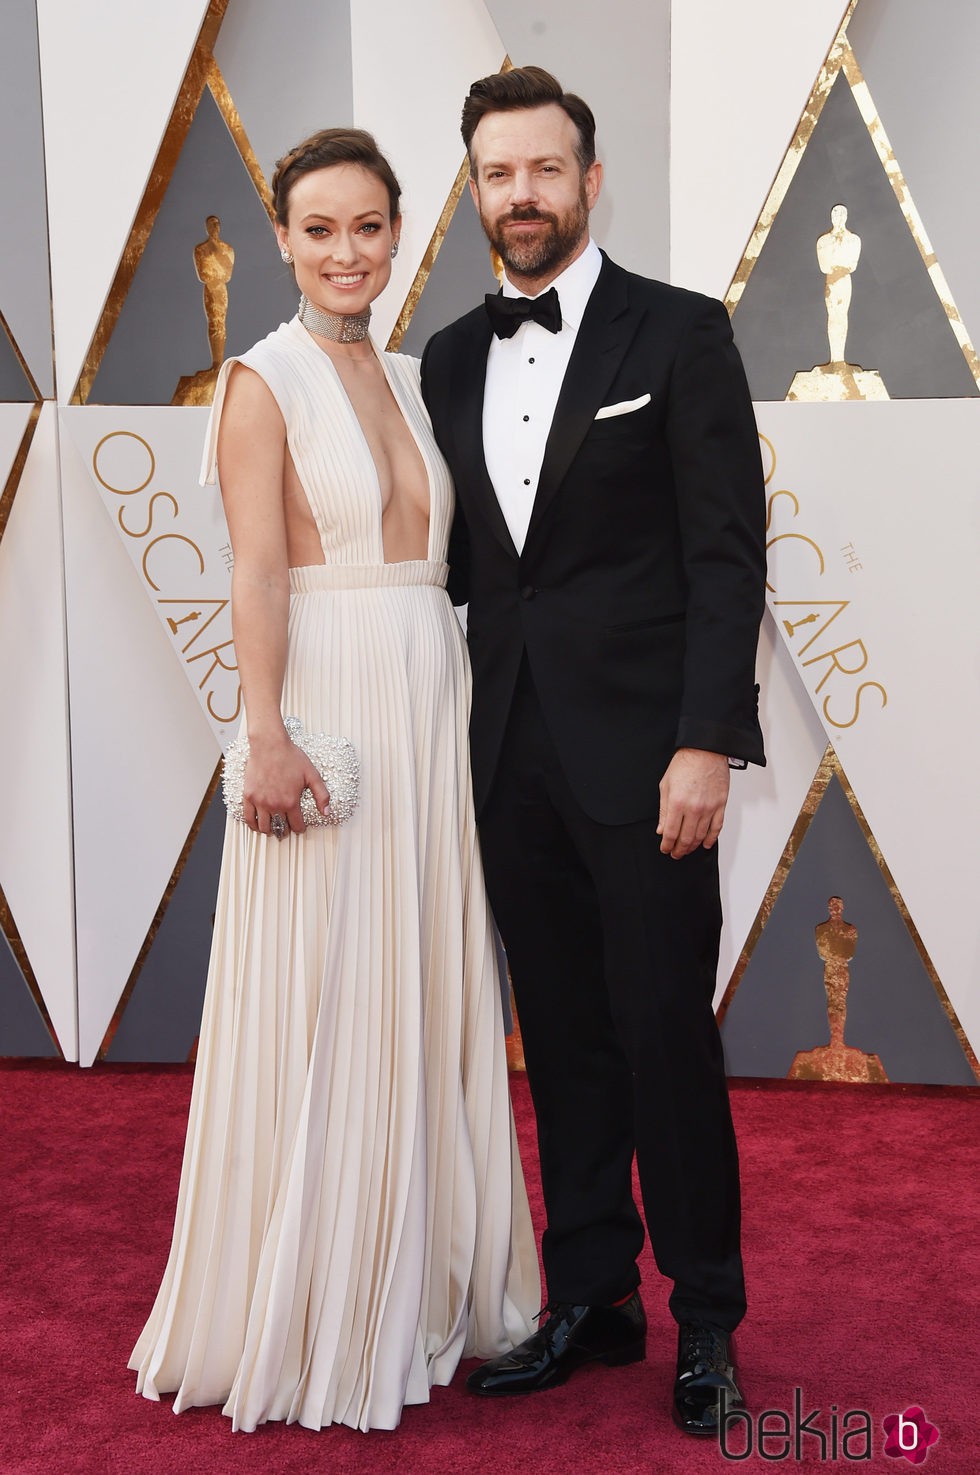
(340, 237)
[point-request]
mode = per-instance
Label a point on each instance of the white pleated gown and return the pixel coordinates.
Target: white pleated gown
(352, 1218)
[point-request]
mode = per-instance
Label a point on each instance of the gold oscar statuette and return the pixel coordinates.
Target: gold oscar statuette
(838, 253)
(836, 941)
(214, 262)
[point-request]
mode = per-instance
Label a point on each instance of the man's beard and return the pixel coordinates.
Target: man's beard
(541, 253)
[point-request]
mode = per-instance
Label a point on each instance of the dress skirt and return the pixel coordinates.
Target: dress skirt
(352, 1218)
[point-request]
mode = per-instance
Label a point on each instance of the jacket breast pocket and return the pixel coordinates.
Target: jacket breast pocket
(626, 435)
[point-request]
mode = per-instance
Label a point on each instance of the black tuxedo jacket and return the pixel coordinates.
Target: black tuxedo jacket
(640, 588)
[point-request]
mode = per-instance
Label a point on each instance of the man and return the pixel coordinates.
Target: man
(609, 539)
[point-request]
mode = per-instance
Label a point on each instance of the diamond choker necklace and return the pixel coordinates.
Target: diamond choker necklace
(338, 327)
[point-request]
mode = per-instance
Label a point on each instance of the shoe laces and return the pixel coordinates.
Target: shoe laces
(560, 1315)
(553, 1308)
(704, 1346)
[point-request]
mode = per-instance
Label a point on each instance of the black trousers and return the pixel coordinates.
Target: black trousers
(613, 951)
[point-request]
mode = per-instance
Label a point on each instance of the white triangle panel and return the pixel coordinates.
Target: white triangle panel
(765, 803)
(142, 751)
(35, 837)
(110, 72)
(878, 547)
(13, 423)
(409, 92)
(740, 78)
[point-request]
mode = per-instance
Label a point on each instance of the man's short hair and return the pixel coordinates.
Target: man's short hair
(527, 87)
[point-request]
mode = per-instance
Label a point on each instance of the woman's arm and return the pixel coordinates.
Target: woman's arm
(251, 460)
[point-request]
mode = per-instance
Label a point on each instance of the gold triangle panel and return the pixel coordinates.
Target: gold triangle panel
(202, 80)
(891, 280)
(471, 271)
(784, 175)
(209, 281)
(807, 972)
(181, 118)
(428, 260)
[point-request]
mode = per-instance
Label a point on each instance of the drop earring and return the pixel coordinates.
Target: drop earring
(394, 249)
(286, 255)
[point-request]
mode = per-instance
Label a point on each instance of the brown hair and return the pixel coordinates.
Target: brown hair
(527, 87)
(321, 151)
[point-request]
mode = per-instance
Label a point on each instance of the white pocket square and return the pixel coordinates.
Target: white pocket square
(623, 408)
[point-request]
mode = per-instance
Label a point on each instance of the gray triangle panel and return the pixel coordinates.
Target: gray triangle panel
(284, 92)
(22, 1028)
(161, 334)
(25, 282)
(459, 278)
(896, 324)
(617, 57)
(893, 1011)
(163, 1016)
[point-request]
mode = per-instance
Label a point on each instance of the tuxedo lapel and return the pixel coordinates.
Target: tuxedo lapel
(605, 333)
(467, 393)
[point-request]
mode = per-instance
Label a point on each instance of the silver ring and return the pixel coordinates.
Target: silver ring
(277, 825)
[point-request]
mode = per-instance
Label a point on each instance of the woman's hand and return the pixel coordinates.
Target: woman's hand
(276, 774)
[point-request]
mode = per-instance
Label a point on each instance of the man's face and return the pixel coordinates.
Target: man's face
(533, 198)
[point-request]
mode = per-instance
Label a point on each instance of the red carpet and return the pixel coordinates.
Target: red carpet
(861, 1250)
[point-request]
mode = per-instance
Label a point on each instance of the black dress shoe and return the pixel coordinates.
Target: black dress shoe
(705, 1378)
(571, 1336)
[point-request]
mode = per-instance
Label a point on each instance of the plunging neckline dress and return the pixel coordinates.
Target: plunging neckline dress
(351, 1218)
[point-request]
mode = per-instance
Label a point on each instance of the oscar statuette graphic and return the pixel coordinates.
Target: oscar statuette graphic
(838, 253)
(836, 941)
(214, 262)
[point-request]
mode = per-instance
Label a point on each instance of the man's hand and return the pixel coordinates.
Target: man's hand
(693, 795)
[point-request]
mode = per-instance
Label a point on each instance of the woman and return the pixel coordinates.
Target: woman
(352, 1218)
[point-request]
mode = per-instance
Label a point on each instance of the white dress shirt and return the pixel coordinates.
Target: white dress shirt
(524, 379)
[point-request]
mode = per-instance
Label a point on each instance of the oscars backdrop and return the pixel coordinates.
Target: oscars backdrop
(816, 166)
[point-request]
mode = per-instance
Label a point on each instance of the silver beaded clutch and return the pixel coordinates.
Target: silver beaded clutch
(334, 758)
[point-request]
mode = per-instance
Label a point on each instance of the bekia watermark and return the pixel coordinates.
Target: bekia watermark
(780, 1434)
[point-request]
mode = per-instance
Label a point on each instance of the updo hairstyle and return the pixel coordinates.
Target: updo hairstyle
(322, 151)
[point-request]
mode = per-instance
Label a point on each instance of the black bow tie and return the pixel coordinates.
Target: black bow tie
(507, 313)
